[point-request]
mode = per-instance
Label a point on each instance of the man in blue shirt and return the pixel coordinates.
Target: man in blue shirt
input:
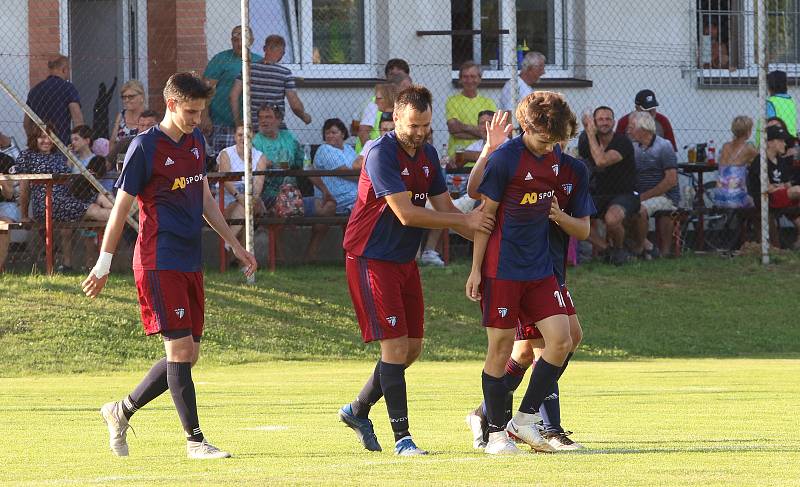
(55, 100)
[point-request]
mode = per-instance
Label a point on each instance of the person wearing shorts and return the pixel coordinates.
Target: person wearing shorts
(164, 171)
(401, 173)
(512, 269)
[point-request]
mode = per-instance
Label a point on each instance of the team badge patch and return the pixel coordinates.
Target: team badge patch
(196, 152)
(567, 188)
(392, 321)
(503, 312)
(180, 312)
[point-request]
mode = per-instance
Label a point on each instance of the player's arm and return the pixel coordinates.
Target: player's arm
(411, 215)
(497, 132)
(217, 221)
(444, 203)
(98, 276)
(574, 227)
(488, 208)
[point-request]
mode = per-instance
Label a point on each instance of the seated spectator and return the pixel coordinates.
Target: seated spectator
(657, 184)
(41, 158)
(9, 211)
(734, 158)
(8, 146)
(386, 125)
(472, 151)
(148, 118)
(81, 145)
(231, 159)
(462, 109)
(133, 105)
(610, 157)
(645, 101)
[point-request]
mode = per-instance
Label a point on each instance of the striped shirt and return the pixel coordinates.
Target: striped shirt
(268, 84)
(652, 162)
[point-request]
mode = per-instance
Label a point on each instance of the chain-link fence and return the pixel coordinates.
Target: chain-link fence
(318, 60)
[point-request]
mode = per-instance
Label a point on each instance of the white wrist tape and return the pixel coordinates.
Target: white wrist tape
(103, 265)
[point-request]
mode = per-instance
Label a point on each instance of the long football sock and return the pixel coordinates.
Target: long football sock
(494, 396)
(393, 383)
(181, 386)
(153, 385)
(550, 411)
(564, 367)
(369, 395)
(542, 379)
(515, 372)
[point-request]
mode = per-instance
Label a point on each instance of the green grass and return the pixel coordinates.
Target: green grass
(689, 307)
(645, 423)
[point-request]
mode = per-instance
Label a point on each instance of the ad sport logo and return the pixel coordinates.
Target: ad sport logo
(503, 312)
(392, 320)
(567, 188)
(196, 152)
(180, 312)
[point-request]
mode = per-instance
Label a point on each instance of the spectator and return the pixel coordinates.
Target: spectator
(40, 158)
(269, 83)
(8, 146)
(221, 73)
(780, 103)
(81, 145)
(657, 184)
(231, 159)
(397, 72)
(55, 100)
(531, 70)
(645, 101)
(148, 118)
(383, 102)
(386, 125)
(734, 158)
(9, 211)
(126, 123)
(472, 151)
(461, 109)
(610, 157)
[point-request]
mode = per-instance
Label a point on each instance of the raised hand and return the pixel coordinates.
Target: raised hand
(498, 130)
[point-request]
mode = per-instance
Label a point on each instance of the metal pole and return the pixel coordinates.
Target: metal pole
(761, 37)
(247, 119)
(510, 10)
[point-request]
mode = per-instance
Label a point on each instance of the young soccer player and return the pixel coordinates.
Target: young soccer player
(165, 172)
(401, 172)
(512, 270)
(572, 193)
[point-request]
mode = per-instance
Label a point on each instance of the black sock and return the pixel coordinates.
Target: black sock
(179, 379)
(542, 379)
(564, 367)
(369, 395)
(514, 374)
(153, 385)
(550, 410)
(393, 383)
(494, 396)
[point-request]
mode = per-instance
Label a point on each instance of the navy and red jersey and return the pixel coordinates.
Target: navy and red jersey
(524, 185)
(374, 231)
(167, 179)
(573, 197)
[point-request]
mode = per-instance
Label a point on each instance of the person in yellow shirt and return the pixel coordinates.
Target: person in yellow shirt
(461, 109)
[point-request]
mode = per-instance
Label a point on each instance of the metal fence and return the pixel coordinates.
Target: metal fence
(700, 58)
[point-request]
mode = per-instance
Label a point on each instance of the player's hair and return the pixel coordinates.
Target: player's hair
(548, 113)
(274, 40)
(388, 91)
(643, 121)
(35, 133)
(603, 107)
(469, 65)
(396, 63)
(335, 122)
(57, 62)
(741, 126)
(150, 114)
(84, 131)
(186, 86)
(416, 96)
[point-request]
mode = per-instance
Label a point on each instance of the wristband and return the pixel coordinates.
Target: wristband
(103, 266)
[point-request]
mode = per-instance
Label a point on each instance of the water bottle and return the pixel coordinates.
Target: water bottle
(306, 157)
(712, 153)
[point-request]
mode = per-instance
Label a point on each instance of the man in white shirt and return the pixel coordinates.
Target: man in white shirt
(532, 69)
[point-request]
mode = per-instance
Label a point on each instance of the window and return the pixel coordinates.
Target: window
(542, 25)
(318, 33)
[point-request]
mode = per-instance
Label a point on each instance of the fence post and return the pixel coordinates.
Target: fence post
(761, 39)
(510, 15)
(247, 120)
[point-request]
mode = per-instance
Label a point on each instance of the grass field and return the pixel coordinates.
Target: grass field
(646, 422)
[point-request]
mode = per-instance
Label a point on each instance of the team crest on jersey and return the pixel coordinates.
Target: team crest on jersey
(196, 152)
(567, 188)
(503, 312)
(392, 321)
(180, 312)
(555, 169)
(426, 170)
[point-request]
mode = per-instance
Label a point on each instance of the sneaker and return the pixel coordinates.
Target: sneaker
(117, 427)
(560, 441)
(500, 444)
(405, 447)
(431, 257)
(203, 450)
(529, 434)
(362, 427)
(618, 256)
(478, 426)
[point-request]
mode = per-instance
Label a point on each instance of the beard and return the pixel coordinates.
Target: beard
(409, 140)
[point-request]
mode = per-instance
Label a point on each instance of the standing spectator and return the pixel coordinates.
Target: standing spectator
(531, 70)
(269, 83)
(55, 100)
(780, 103)
(462, 109)
(610, 157)
(397, 72)
(9, 211)
(657, 184)
(40, 158)
(221, 73)
(645, 101)
(734, 158)
(126, 123)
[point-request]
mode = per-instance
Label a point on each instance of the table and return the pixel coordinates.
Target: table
(699, 197)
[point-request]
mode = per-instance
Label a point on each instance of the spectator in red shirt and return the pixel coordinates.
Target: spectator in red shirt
(645, 101)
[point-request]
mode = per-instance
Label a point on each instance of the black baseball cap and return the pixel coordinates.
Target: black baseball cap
(776, 132)
(646, 99)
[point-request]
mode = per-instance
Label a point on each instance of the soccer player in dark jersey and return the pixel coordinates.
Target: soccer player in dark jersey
(164, 171)
(512, 269)
(572, 194)
(401, 172)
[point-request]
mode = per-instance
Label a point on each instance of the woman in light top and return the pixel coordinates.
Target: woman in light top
(133, 104)
(734, 159)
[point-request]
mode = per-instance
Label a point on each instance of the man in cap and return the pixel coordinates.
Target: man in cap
(645, 101)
